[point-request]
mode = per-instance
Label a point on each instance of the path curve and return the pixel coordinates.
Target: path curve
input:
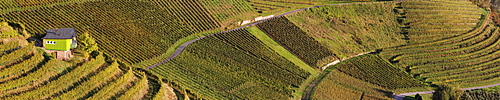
(402, 95)
(179, 50)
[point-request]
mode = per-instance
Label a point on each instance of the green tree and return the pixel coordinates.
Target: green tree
(446, 92)
(87, 43)
(418, 97)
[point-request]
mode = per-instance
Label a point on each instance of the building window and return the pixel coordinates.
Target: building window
(50, 42)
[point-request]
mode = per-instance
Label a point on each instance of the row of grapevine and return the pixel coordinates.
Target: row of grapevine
(296, 41)
(16, 56)
(131, 31)
(138, 91)
(191, 12)
(165, 93)
(466, 60)
(226, 10)
(445, 44)
(51, 69)
(338, 85)
(270, 6)
(232, 65)
(21, 5)
(27, 65)
(425, 19)
(94, 83)
(374, 69)
(62, 83)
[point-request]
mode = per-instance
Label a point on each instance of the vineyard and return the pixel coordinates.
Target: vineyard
(232, 65)
(23, 5)
(129, 31)
(28, 73)
(297, 41)
(465, 60)
(347, 88)
(185, 49)
(438, 19)
(272, 6)
(190, 12)
(350, 29)
(373, 69)
(228, 12)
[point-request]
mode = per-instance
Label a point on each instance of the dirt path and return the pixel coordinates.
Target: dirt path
(402, 95)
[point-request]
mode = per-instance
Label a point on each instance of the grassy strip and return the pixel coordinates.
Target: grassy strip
(280, 50)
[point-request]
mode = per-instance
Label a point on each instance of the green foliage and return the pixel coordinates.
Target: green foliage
(232, 65)
(418, 97)
(446, 92)
(87, 43)
(374, 69)
(480, 95)
(296, 41)
(131, 31)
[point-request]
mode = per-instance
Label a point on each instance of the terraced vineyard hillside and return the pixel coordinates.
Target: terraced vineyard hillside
(466, 60)
(27, 72)
(233, 65)
(429, 20)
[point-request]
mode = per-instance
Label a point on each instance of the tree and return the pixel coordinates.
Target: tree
(87, 43)
(418, 97)
(446, 92)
